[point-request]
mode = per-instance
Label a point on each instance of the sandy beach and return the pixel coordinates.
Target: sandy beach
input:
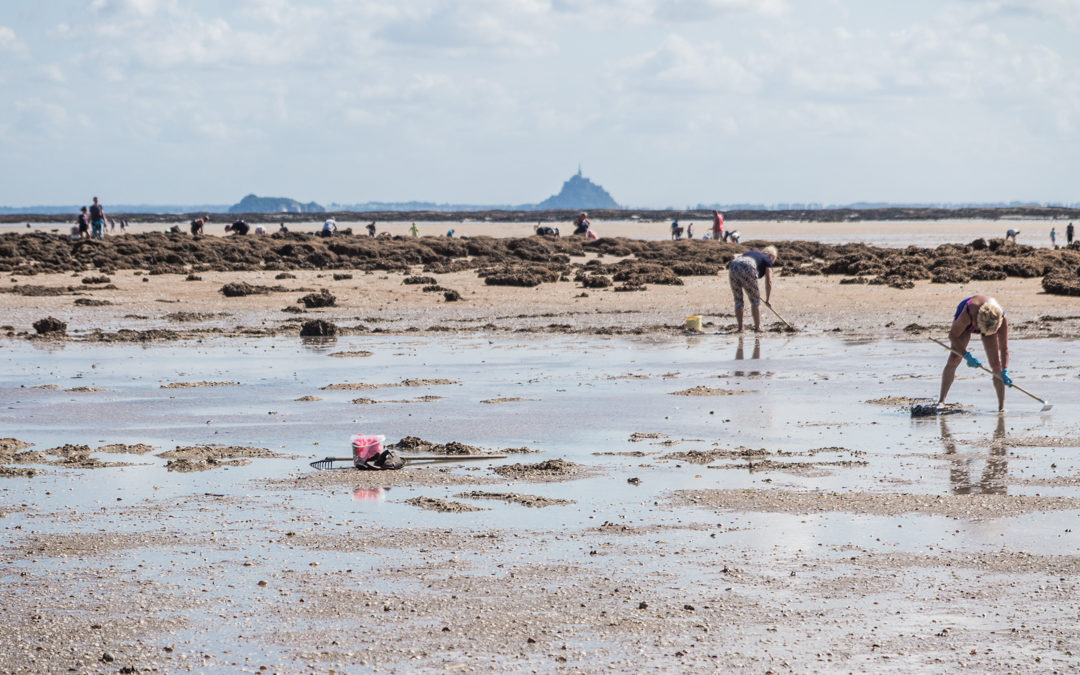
(668, 500)
(1033, 232)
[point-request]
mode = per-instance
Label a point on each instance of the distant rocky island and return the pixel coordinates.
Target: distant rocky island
(578, 193)
(255, 204)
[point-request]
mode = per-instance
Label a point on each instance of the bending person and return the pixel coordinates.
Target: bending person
(979, 314)
(743, 274)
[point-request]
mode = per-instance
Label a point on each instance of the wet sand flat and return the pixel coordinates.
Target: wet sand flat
(806, 524)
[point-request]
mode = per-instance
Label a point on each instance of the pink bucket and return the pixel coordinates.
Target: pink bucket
(366, 447)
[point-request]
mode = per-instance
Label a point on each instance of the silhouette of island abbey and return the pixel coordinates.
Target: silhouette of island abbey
(579, 193)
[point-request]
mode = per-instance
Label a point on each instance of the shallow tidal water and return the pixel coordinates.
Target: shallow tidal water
(582, 397)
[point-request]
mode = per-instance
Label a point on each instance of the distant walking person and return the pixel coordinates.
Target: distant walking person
(84, 224)
(1069, 234)
(371, 229)
(743, 274)
(718, 226)
(1053, 237)
(690, 231)
(1011, 234)
(414, 230)
(97, 220)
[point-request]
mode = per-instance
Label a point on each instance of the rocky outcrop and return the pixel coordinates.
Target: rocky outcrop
(254, 204)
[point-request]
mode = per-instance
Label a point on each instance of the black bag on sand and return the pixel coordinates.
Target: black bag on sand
(387, 460)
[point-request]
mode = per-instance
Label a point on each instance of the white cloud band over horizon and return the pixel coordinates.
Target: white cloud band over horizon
(664, 103)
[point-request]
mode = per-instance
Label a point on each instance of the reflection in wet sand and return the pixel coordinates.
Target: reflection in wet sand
(740, 356)
(995, 470)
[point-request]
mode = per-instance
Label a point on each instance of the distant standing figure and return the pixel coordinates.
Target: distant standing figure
(239, 227)
(1011, 234)
(84, 224)
(329, 227)
(123, 226)
(1053, 237)
(979, 314)
(718, 226)
(676, 230)
(414, 230)
(743, 274)
(97, 220)
(1069, 234)
(690, 231)
(371, 229)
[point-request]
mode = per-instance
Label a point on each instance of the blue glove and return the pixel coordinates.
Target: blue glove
(1005, 378)
(971, 360)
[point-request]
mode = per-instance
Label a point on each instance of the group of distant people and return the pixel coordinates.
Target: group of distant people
(582, 228)
(718, 232)
(92, 222)
(1069, 232)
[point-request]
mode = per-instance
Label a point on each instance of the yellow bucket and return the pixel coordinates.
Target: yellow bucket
(693, 323)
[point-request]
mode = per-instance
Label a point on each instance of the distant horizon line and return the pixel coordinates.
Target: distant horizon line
(416, 205)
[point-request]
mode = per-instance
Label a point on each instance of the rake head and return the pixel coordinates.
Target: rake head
(328, 463)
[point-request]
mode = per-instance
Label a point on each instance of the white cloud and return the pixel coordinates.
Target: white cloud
(9, 42)
(1064, 11)
(143, 8)
(48, 118)
(485, 83)
(52, 73)
(468, 26)
(679, 66)
(700, 10)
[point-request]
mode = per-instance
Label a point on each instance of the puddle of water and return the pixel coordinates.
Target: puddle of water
(584, 395)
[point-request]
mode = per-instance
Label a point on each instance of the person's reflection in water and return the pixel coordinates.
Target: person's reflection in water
(995, 470)
(740, 355)
(320, 344)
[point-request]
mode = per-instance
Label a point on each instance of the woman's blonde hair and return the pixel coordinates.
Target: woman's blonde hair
(770, 251)
(990, 317)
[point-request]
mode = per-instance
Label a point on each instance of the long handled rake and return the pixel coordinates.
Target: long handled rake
(790, 327)
(328, 462)
(1046, 406)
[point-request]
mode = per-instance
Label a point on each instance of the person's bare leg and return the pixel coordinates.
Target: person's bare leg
(948, 374)
(755, 310)
(993, 361)
(738, 319)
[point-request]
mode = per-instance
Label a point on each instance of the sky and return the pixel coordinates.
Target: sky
(665, 103)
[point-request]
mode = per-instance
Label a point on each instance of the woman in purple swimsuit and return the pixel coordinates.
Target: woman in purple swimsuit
(979, 314)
